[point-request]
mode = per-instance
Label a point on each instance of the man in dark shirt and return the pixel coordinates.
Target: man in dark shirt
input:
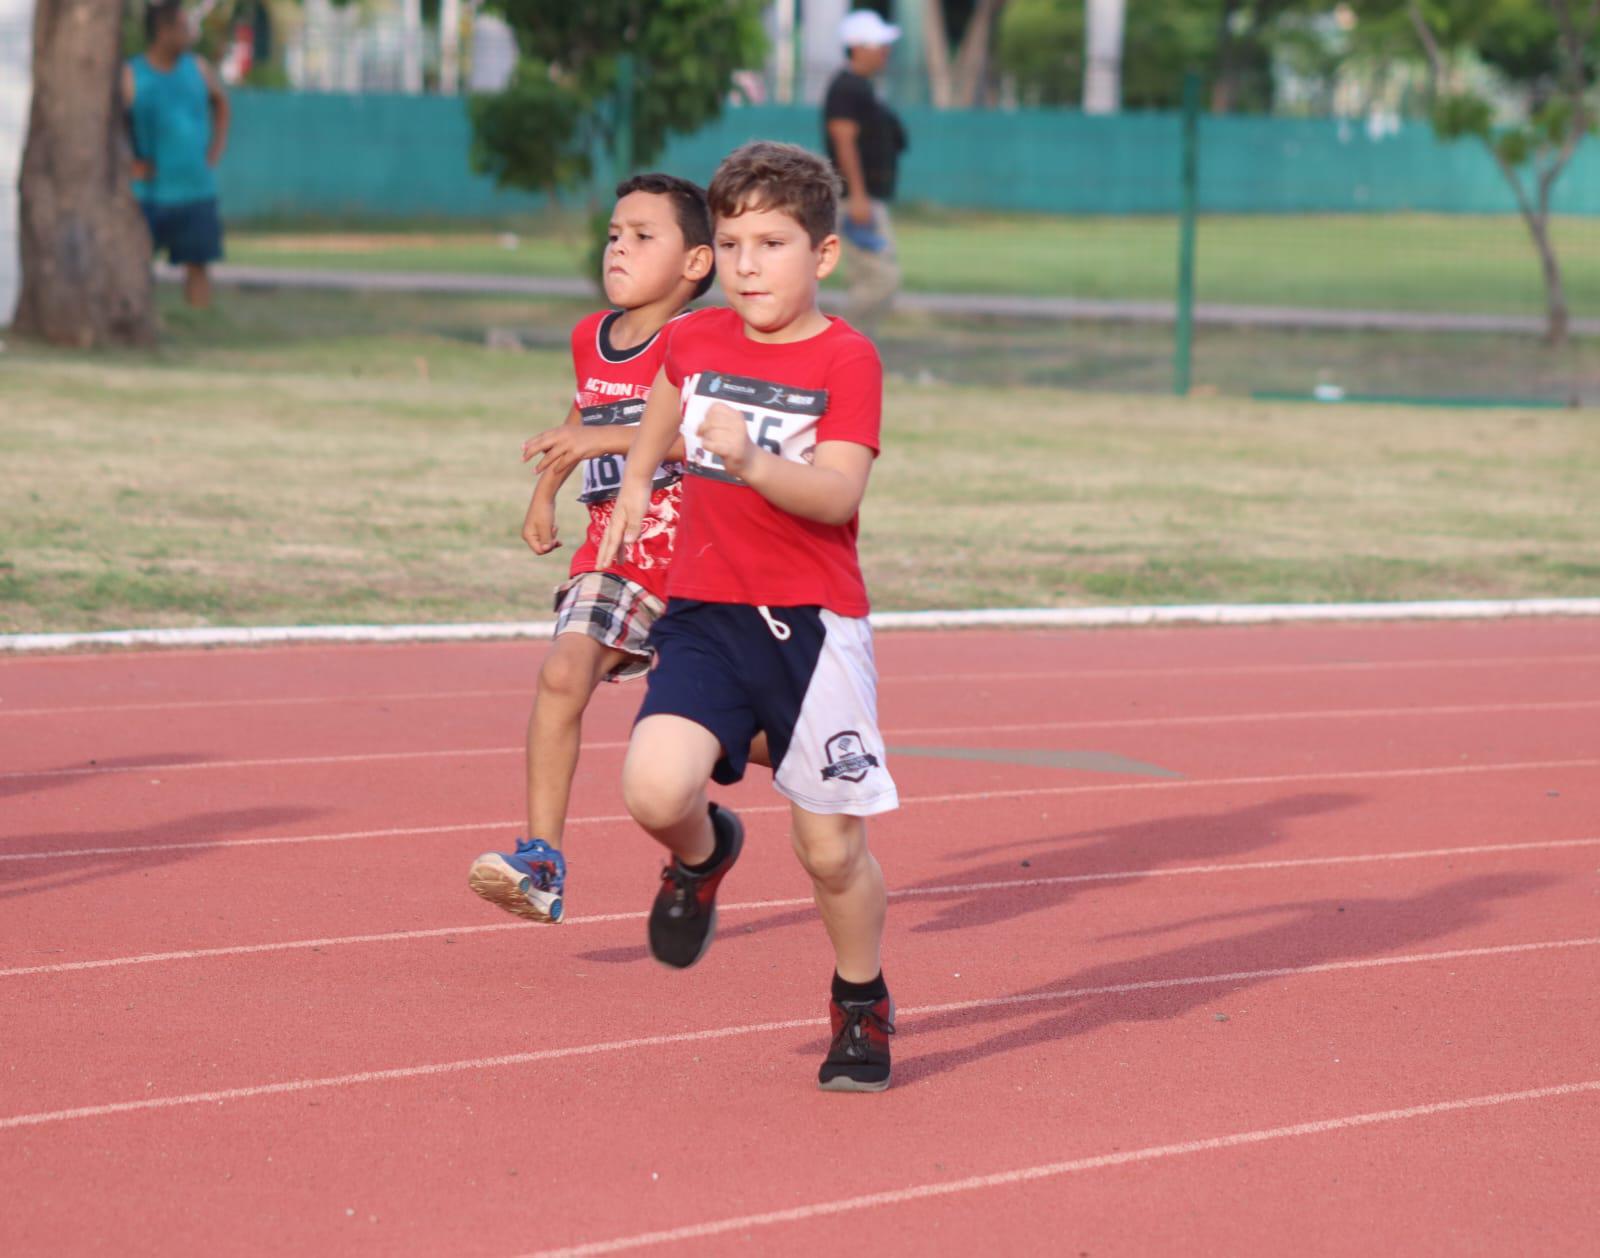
(865, 140)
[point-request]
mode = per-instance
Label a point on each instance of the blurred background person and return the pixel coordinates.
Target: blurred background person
(178, 117)
(865, 140)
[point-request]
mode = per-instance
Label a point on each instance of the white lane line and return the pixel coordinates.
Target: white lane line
(275, 762)
(1013, 618)
(687, 1037)
(1050, 1170)
(906, 801)
(523, 693)
(899, 893)
(1137, 722)
(188, 705)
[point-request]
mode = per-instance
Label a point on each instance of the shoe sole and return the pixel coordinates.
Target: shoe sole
(498, 883)
(843, 1084)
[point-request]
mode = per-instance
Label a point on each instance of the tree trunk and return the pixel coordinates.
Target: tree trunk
(1224, 80)
(85, 251)
(1555, 296)
(972, 58)
(937, 50)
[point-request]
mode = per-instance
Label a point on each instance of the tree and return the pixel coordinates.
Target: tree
(1242, 61)
(1547, 53)
(558, 116)
(963, 82)
(85, 251)
(1041, 46)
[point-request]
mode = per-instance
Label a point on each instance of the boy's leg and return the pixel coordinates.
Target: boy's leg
(663, 782)
(531, 882)
(664, 778)
(575, 666)
(848, 886)
(601, 630)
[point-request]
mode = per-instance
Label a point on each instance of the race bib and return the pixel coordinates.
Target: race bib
(779, 418)
(602, 477)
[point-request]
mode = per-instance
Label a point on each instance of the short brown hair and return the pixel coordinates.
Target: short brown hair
(766, 175)
(688, 205)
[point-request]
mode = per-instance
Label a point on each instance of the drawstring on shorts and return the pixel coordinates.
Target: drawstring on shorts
(780, 631)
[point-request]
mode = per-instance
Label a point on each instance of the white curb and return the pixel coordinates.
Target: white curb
(1008, 618)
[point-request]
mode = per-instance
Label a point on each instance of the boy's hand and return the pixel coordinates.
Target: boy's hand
(622, 530)
(563, 448)
(724, 433)
(539, 525)
(141, 171)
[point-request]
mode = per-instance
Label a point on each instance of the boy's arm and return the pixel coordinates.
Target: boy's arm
(828, 490)
(654, 440)
(574, 441)
(539, 523)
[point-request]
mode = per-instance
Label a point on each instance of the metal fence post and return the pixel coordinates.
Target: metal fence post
(1189, 181)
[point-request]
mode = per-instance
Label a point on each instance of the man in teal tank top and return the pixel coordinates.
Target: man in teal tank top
(178, 119)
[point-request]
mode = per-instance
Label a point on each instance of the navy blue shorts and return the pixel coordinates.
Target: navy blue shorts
(190, 234)
(804, 676)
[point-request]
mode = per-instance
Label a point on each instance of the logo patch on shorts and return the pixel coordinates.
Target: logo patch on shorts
(848, 758)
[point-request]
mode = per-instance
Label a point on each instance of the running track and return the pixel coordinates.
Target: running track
(1332, 989)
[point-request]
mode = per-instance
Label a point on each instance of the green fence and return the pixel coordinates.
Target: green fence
(406, 156)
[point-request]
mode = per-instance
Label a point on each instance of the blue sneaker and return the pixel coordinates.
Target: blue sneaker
(528, 883)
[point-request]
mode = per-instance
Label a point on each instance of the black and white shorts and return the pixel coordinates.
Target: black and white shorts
(803, 675)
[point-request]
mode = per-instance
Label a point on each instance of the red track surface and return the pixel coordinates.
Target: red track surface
(1333, 989)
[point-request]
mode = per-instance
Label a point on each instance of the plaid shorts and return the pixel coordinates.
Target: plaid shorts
(615, 612)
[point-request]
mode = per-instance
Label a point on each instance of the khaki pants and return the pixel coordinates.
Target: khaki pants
(874, 278)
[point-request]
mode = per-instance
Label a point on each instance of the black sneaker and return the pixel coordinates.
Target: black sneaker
(858, 1059)
(684, 917)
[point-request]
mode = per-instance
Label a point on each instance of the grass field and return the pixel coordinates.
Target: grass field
(306, 458)
(1384, 262)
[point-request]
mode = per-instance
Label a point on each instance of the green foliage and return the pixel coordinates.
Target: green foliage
(1514, 145)
(537, 133)
(1460, 114)
(1041, 47)
(553, 124)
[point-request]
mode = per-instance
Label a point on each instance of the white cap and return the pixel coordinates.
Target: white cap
(863, 28)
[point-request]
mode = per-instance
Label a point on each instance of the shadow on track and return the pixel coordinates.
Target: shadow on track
(1294, 934)
(1187, 838)
(37, 876)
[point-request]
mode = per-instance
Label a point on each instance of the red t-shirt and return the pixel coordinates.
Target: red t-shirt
(733, 545)
(612, 387)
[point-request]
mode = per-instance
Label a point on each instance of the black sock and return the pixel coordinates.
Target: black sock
(719, 848)
(873, 990)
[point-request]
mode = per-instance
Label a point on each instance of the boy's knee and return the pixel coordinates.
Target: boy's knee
(656, 800)
(564, 675)
(832, 855)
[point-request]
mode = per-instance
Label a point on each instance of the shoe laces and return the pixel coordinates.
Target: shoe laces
(858, 1015)
(682, 880)
(548, 867)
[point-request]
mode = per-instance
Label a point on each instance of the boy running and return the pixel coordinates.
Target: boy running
(765, 629)
(657, 260)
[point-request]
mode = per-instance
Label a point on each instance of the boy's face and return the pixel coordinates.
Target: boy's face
(645, 256)
(769, 269)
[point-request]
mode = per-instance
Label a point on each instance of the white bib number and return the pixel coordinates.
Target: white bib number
(780, 419)
(602, 476)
